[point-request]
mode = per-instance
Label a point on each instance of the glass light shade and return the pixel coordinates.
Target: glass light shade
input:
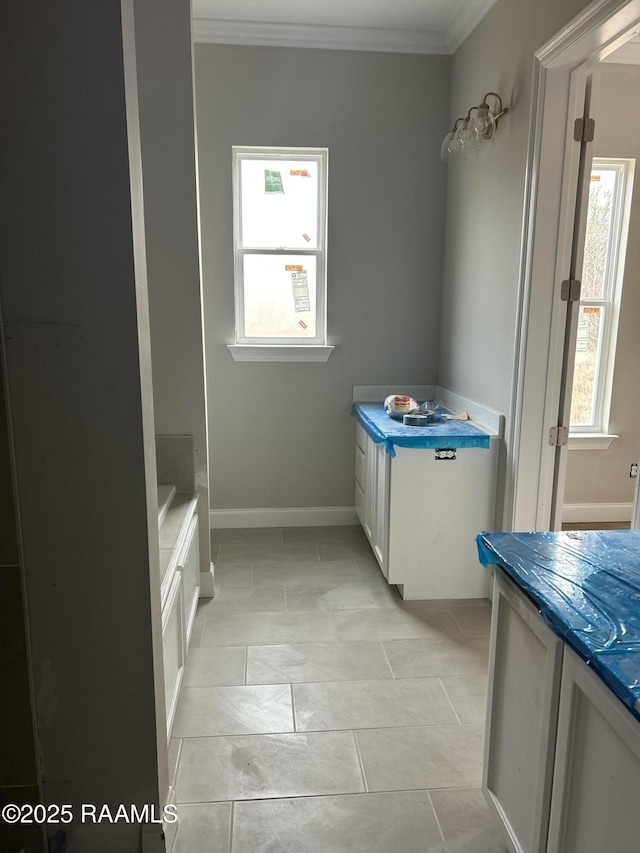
(483, 125)
(444, 149)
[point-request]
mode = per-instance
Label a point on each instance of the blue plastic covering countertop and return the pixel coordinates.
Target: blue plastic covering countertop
(586, 585)
(442, 433)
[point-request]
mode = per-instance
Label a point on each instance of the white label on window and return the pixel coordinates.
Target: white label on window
(300, 291)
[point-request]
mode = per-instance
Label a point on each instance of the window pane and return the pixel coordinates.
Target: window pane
(279, 204)
(586, 365)
(280, 296)
(598, 236)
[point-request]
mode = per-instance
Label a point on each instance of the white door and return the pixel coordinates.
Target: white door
(570, 293)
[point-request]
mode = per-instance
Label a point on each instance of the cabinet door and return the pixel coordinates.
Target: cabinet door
(173, 647)
(380, 540)
(369, 484)
(524, 686)
(597, 772)
(189, 566)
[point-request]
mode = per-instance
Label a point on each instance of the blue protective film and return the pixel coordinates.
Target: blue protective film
(586, 584)
(441, 433)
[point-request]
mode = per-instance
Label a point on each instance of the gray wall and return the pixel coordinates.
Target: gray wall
(485, 199)
(165, 87)
(281, 434)
(603, 476)
(73, 293)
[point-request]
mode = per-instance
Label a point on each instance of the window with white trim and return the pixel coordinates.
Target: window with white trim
(280, 216)
(602, 275)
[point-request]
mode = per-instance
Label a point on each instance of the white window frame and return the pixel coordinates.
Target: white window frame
(247, 348)
(596, 436)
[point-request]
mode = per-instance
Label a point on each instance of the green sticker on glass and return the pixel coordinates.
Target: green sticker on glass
(273, 182)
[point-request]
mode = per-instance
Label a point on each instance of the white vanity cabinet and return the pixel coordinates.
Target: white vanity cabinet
(562, 753)
(421, 514)
(595, 803)
(179, 592)
(522, 712)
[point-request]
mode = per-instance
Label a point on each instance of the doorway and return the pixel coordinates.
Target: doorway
(560, 82)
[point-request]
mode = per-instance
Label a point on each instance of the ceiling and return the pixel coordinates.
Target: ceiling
(409, 26)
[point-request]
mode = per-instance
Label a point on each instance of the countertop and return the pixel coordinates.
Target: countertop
(586, 585)
(442, 433)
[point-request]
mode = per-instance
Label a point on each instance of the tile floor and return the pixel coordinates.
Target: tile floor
(319, 712)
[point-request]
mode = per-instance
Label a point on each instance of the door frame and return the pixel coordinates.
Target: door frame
(559, 78)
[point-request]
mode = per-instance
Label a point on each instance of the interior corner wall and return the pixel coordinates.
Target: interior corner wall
(78, 380)
(485, 198)
(602, 477)
(281, 434)
(167, 136)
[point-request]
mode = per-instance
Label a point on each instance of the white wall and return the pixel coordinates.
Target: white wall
(602, 477)
(76, 337)
(281, 434)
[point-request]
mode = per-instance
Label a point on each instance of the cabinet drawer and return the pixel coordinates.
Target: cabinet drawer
(360, 466)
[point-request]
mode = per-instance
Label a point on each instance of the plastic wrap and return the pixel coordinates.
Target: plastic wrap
(441, 433)
(586, 585)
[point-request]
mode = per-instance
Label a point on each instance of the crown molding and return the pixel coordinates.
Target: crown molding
(465, 23)
(329, 38)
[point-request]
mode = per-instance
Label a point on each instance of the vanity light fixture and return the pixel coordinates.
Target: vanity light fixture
(468, 133)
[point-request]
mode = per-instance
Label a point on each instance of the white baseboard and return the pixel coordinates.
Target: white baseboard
(308, 516)
(596, 512)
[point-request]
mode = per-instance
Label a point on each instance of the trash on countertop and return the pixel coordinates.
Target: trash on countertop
(398, 405)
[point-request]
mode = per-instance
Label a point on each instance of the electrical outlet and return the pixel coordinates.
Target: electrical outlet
(633, 471)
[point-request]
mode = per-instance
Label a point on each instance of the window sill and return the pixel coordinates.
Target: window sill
(272, 352)
(591, 441)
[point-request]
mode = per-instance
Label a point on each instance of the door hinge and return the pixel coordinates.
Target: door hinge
(570, 290)
(584, 129)
(559, 436)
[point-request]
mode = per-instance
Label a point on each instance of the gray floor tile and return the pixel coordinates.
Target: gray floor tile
(338, 595)
(371, 704)
(421, 757)
(344, 550)
(267, 766)
(212, 711)
(269, 573)
(242, 629)
(214, 665)
(233, 576)
(466, 822)
(253, 535)
(308, 662)
(468, 694)
(474, 621)
(247, 552)
(347, 533)
(393, 624)
(444, 656)
(173, 754)
(204, 828)
(369, 570)
(197, 632)
(269, 599)
(361, 823)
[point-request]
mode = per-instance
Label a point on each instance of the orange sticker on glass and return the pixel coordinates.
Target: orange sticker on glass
(595, 177)
(591, 309)
(294, 268)
(299, 173)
